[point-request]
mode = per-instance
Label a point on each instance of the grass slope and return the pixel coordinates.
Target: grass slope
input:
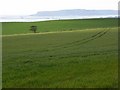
(58, 25)
(68, 60)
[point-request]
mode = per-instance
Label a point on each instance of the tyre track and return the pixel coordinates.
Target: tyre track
(83, 41)
(91, 39)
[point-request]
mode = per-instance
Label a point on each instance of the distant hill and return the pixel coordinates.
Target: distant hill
(61, 14)
(77, 12)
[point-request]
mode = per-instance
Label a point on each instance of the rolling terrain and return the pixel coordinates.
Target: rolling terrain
(58, 25)
(76, 54)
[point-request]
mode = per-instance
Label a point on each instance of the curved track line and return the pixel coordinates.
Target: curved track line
(83, 41)
(24, 34)
(79, 42)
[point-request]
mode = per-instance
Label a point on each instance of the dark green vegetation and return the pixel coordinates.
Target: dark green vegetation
(86, 58)
(60, 25)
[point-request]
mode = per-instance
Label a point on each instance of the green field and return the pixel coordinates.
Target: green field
(87, 57)
(59, 25)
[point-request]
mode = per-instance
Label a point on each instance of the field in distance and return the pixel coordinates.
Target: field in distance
(78, 59)
(58, 25)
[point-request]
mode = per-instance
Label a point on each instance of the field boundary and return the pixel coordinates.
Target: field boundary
(24, 34)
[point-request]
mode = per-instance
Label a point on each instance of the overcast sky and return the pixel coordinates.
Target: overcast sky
(27, 7)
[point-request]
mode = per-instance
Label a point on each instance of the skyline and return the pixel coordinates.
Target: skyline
(28, 7)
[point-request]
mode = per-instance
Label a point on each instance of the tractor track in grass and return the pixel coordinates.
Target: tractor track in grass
(82, 41)
(39, 33)
(98, 35)
(71, 44)
(78, 42)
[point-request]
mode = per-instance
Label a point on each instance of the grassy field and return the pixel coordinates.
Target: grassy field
(78, 59)
(60, 25)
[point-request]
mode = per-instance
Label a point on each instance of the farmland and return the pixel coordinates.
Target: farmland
(81, 54)
(58, 25)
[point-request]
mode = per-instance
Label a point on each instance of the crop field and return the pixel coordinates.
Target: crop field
(84, 55)
(58, 25)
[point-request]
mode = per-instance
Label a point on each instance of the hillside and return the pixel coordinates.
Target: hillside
(77, 12)
(58, 25)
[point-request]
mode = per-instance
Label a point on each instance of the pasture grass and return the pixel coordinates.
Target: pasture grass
(80, 59)
(58, 25)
